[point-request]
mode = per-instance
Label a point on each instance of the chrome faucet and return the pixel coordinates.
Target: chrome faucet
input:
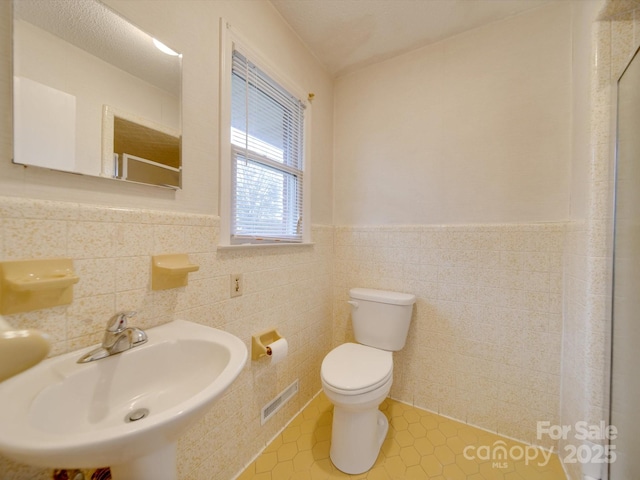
(117, 338)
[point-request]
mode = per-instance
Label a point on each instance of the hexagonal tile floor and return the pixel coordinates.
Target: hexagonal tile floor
(419, 445)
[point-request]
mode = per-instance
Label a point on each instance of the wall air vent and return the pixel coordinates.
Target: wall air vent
(270, 409)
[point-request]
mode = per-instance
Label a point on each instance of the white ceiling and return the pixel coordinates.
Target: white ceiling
(348, 34)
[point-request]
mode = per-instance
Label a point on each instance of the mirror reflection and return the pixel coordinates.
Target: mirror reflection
(93, 94)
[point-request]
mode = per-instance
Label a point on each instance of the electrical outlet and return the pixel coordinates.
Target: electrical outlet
(237, 285)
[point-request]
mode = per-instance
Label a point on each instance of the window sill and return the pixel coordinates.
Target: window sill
(253, 246)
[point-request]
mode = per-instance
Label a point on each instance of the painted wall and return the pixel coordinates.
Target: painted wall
(473, 129)
(193, 29)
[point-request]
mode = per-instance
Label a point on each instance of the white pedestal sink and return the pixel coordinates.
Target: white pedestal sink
(125, 411)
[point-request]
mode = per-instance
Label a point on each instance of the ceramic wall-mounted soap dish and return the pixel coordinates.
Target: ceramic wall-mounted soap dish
(171, 271)
(27, 285)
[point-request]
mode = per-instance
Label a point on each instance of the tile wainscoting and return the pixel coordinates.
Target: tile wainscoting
(288, 288)
(484, 345)
(485, 341)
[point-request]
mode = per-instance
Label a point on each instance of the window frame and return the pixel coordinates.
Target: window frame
(230, 40)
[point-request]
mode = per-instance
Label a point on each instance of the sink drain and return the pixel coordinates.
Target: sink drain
(136, 415)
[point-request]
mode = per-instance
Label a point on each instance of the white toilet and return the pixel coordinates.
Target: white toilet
(357, 377)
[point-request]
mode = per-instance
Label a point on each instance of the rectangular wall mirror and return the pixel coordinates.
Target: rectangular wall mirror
(94, 94)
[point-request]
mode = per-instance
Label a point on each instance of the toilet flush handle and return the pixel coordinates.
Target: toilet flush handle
(353, 304)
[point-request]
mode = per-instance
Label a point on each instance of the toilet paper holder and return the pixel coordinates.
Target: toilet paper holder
(260, 343)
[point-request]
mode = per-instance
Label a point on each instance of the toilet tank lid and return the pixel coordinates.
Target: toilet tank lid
(382, 296)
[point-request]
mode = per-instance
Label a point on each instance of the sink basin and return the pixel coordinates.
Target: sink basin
(125, 411)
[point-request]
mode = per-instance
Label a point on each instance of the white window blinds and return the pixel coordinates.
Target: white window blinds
(267, 124)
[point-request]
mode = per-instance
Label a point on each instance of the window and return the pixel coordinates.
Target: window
(266, 174)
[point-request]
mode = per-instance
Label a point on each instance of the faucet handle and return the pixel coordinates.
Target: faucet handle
(118, 322)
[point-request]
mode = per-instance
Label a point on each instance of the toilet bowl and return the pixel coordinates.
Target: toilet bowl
(357, 377)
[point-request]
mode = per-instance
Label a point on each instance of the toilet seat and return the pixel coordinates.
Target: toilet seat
(354, 369)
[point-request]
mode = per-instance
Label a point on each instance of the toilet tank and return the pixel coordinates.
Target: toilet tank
(381, 318)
